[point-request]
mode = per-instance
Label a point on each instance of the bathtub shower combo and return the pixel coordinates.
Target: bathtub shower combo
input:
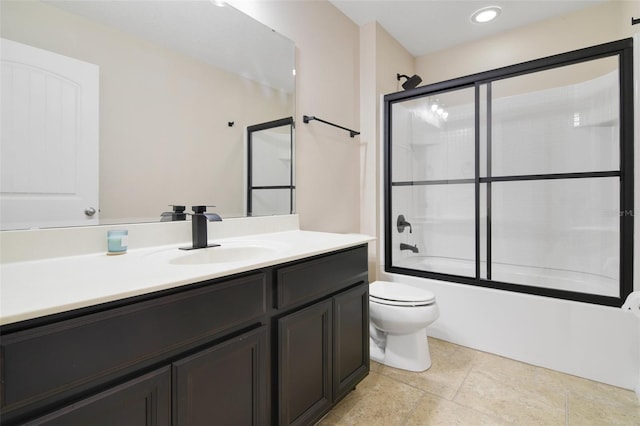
(520, 178)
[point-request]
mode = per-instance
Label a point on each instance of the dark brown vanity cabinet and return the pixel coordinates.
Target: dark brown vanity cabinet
(350, 339)
(226, 384)
(145, 400)
(94, 364)
(305, 364)
(323, 347)
(227, 351)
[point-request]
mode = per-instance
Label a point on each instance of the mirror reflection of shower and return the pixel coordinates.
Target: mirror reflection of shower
(270, 173)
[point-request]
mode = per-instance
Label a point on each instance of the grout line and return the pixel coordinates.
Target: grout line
(413, 410)
(566, 410)
(463, 381)
(402, 382)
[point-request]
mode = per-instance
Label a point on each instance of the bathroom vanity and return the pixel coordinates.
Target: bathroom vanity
(277, 340)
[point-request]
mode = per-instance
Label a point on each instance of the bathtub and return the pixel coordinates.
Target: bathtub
(600, 343)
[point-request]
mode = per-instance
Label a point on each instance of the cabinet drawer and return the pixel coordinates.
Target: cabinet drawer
(73, 355)
(306, 281)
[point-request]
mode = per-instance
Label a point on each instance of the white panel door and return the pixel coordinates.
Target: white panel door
(49, 139)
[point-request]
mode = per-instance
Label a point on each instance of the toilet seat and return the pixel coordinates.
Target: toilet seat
(397, 294)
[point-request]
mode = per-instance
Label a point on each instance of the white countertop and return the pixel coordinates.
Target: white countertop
(32, 289)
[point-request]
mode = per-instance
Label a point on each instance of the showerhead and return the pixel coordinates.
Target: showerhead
(411, 83)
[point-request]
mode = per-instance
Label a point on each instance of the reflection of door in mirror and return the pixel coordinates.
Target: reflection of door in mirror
(49, 143)
(173, 74)
(270, 183)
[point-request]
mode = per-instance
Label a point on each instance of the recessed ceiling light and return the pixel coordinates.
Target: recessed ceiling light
(486, 14)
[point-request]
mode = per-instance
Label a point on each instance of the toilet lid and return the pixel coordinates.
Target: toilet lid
(399, 294)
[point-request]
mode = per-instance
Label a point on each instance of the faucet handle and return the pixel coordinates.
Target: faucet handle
(177, 208)
(200, 209)
(401, 223)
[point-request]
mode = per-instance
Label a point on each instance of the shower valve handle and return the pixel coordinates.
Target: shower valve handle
(401, 223)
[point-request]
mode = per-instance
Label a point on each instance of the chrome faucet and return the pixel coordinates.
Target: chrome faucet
(413, 248)
(199, 219)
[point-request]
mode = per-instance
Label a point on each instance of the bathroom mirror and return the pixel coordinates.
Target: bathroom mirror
(178, 83)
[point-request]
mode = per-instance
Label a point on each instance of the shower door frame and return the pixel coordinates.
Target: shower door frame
(624, 50)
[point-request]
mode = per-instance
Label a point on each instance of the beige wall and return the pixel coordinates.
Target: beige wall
(598, 24)
(164, 137)
(381, 59)
(327, 86)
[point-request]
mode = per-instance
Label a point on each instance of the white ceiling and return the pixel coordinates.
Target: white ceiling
(425, 26)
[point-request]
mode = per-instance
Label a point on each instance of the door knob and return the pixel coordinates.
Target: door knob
(89, 211)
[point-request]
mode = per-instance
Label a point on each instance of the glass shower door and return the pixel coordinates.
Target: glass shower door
(433, 183)
(554, 173)
(518, 179)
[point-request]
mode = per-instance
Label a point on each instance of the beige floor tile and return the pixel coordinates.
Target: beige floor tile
(524, 377)
(484, 392)
(375, 367)
(343, 407)
(468, 387)
(596, 391)
(593, 403)
(434, 411)
(331, 419)
(584, 411)
(366, 386)
(450, 364)
(379, 400)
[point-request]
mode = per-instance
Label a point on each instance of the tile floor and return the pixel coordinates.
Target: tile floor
(469, 387)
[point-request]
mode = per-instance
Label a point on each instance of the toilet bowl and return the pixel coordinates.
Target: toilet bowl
(399, 315)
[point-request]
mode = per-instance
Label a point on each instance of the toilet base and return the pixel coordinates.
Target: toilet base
(405, 351)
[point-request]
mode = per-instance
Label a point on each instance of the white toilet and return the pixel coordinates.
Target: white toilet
(399, 315)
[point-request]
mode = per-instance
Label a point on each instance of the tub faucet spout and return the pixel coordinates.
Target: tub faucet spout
(413, 248)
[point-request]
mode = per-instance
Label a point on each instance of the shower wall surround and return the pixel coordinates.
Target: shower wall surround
(519, 178)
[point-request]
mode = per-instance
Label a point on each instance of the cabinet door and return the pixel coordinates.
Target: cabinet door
(305, 364)
(144, 401)
(226, 384)
(351, 339)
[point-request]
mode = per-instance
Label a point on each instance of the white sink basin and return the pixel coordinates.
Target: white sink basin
(229, 252)
(221, 254)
